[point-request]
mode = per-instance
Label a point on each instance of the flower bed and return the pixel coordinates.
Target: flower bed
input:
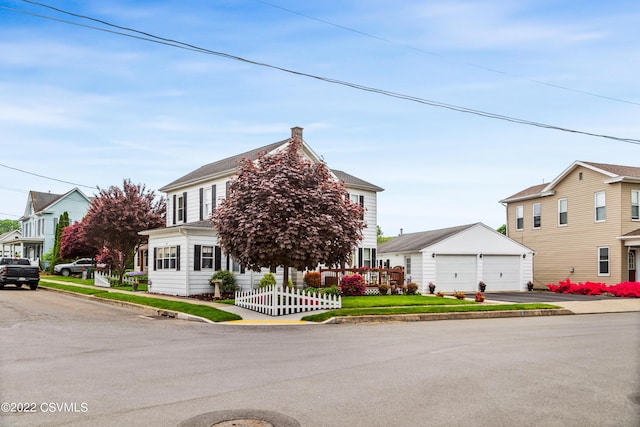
(623, 290)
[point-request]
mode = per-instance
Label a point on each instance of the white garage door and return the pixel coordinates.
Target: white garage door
(456, 273)
(501, 272)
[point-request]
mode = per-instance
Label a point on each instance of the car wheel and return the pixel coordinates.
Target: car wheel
(33, 286)
(65, 272)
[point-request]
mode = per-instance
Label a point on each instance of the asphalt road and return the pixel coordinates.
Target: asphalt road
(80, 363)
(541, 296)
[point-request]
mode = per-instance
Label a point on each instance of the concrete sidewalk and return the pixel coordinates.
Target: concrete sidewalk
(250, 317)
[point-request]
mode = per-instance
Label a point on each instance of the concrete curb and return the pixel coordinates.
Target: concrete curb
(421, 317)
(145, 309)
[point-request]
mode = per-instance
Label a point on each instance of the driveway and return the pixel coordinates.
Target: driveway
(542, 296)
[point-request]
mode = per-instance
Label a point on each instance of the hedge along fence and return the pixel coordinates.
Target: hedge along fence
(624, 289)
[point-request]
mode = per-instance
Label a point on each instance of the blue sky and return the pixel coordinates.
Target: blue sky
(94, 108)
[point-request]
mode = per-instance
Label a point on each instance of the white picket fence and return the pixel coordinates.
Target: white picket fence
(276, 301)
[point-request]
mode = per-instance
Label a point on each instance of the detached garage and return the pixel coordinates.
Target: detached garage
(458, 258)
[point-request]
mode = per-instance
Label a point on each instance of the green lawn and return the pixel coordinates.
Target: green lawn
(207, 312)
(399, 301)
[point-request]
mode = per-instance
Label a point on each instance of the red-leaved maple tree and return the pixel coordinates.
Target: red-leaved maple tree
(116, 216)
(284, 210)
(73, 243)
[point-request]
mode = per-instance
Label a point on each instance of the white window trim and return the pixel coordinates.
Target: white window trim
(608, 261)
(595, 206)
(533, 216)
(637, 192)
(566, 211)
(521, 208)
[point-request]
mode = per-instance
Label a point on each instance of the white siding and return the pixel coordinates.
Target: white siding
(169, 282)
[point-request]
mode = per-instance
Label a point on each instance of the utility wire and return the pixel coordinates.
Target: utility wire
(48, 177)
(471, 64)
(181, 45)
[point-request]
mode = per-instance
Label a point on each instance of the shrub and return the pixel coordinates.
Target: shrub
(479, 297)
(459, 294)
(383, 288)
(624, 289)
(333, 290)
(312, 279)
(439, 294)
(412, 288)
(228, 286)
(267, 280)
(353, 285)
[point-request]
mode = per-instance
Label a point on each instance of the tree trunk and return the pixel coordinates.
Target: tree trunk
(285, 277)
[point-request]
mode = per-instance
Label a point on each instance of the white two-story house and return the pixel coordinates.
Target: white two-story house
(183, 256)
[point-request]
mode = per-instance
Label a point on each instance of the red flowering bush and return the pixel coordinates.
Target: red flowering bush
(353, 285)
(313, 279)
(624, 289)
(479, 297)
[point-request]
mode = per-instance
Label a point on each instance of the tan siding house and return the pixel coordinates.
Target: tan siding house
(584, 225)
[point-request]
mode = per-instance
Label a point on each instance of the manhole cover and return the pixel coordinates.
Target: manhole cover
(241, 418)
(247, 422)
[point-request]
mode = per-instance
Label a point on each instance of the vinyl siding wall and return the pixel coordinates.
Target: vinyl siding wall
(575, 246)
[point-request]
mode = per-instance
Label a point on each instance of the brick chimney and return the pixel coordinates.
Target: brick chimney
(296, 133)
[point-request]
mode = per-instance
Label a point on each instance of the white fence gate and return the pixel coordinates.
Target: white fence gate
(101, 280)
(276, 301)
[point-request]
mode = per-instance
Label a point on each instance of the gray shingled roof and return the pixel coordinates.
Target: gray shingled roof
(229, 165)
(41, 201)
(353, 181)
(412, 242)
(221, 166)
(618, 170)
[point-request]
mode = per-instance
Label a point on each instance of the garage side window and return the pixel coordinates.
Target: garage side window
(519, 217)
(407, 265)
(562, 212)
(603, 261)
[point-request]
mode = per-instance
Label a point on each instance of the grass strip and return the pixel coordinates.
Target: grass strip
(321, 317)
(205, 311)
(71, 288)
(69, 279)
(399, 301)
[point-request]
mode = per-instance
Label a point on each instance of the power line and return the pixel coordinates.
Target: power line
(181, 45)
(48, 177)
(471, 64)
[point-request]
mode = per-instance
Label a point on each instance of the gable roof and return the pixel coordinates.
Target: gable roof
(412, 242)
(221, 167)
(355, 182)
(616, 173)
(228, 166)
(41, 201)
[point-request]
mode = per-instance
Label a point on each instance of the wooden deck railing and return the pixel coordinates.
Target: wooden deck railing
(394, 277)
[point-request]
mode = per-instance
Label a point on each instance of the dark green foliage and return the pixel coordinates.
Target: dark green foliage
(228, 285)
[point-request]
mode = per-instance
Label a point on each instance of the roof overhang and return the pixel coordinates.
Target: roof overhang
(529, 197)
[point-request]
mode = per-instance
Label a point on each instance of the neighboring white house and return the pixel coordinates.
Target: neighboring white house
(10, 245)
(41, 217)
(458, 258)
(184, 255)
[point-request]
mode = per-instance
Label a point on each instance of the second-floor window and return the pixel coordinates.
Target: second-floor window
(519, 217)
(537, 215)
(180, 209)
(562, 212)
(600, 206)
(635, 204)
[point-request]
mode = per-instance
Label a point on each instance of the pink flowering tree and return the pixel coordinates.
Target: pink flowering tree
(116, 216)
(73, 243)
(286, 211)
